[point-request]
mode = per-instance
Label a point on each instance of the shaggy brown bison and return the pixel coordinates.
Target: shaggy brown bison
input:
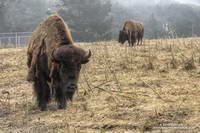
(132, 31)
(54, 62)
(140, 33)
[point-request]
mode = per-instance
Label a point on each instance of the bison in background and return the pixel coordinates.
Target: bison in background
(132, 31)
(54, 62)
(140, 34)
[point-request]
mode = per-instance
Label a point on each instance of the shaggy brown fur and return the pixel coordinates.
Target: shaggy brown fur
(140, 30)
(131, 31)
(53, 30)
(54, 60)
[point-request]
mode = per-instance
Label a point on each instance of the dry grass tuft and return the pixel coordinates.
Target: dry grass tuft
(190, 64)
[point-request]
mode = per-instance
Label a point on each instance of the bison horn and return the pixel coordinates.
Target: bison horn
(86, 57)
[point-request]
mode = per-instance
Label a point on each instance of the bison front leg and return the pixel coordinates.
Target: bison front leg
(134, 38)
(42, 91)
(130, 41)
(32, 61)
(138, 40)
(60, 96)
(31, 71)
(141, 40)
(133, 42)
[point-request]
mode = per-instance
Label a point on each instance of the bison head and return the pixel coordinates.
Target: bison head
(70, 58)
(122, 37)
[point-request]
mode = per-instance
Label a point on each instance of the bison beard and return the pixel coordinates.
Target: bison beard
(54, 62)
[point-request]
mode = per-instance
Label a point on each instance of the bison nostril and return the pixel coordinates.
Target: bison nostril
(71, 85)
(71, 88)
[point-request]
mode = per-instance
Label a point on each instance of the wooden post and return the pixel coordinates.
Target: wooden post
(19, 43)
(0, 43)
(9, 41)
(16, 40)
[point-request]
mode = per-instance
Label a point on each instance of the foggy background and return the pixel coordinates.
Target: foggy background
(153, 2)
(95, 20)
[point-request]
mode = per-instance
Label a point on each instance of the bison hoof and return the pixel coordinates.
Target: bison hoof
(43, 108)
(61, 106)
(30, 78)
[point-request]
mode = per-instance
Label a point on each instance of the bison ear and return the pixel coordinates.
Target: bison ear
(86, 57)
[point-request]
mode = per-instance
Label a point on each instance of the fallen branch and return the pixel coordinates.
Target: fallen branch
(158, 95)
(119, 93)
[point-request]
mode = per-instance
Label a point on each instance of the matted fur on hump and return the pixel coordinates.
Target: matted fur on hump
(56, 28)
(129, 26)
(53, 31)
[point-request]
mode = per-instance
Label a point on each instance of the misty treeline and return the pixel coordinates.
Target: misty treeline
(162, 20)
(89, 20)
(94, 20)
(21, 15)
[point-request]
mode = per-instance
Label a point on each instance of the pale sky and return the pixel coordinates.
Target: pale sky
(196, 2)
(190, 1)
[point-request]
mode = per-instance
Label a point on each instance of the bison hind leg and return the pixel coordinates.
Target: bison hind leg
(141, 40)
(138, 41)
(42, 91)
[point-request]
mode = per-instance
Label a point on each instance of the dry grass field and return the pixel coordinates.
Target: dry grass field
(123, 89)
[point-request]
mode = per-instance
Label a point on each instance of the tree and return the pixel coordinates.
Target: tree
(88, 20)
(119, 15)
(25, 15)
(153, 27)
(184, 20)
(3, 7)
(21, 15)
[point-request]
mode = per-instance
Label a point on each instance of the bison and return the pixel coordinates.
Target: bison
(140, 34)
(132, 31)
(54, 62)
